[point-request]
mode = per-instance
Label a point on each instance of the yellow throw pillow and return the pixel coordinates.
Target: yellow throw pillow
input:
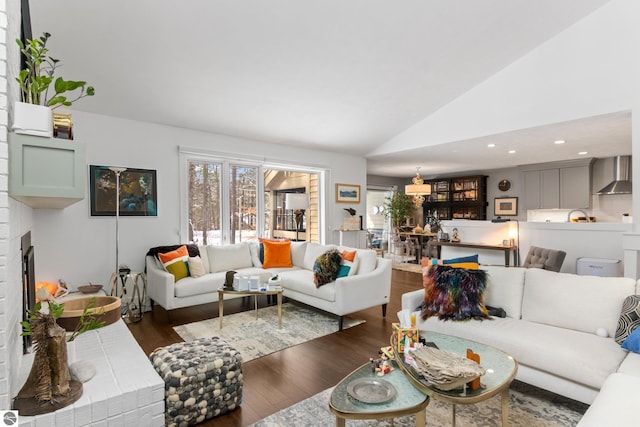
(277, 254)
(175, 262)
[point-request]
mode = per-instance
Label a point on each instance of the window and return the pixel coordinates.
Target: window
(285, 218)
(225, 198)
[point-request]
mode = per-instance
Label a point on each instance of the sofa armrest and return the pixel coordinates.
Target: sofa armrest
(412, 300)
(354, 293)
(160, 284)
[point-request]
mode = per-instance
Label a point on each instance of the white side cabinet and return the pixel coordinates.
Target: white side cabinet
(46, 173)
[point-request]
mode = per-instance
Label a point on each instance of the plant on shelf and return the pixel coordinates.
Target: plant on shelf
(38, 74)
(398, 208)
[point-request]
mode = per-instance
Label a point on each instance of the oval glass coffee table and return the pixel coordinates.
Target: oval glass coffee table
(501, 370)
(390, 396)
(256, 293)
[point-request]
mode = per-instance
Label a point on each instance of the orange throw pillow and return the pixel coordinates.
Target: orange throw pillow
(277, 254)
(348, 255)
(175, 262)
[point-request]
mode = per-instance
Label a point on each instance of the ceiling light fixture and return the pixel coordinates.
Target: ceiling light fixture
(582, 153)
(491, 145)
(512, 151)
(559, 141)
(418, 189)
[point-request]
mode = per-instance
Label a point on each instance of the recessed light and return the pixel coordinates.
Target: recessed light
(491, 145)
(512, 151)
(582, 153)
(559, 141)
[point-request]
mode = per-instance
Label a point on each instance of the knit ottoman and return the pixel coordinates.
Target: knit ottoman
(203, 379)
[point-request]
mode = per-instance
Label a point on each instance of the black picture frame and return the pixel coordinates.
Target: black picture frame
(506, 206)
(138, 192)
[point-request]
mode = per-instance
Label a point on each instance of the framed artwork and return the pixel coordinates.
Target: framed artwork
(138, 192)
(347, 193)
(506, 206)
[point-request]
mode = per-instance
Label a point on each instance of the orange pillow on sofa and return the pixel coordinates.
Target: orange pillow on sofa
(277, 254)
(175, 262)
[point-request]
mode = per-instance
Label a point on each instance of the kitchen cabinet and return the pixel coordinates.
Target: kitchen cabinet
(46, 173)
(457, 198)
(564, 187)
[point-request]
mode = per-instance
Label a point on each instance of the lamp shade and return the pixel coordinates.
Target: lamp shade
(296, 201)
(417, 189)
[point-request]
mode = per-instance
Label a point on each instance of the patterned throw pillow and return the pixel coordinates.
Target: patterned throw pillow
(175, 262)
(455, 294)
(629, 318)
(632, 342)
(326, 266)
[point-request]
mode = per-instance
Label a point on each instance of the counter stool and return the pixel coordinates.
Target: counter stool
(203, 379)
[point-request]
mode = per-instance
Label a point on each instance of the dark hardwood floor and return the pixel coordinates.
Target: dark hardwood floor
(283, 378)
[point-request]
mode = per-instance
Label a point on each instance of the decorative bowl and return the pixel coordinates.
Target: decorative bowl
(89, 289)
(106, 308)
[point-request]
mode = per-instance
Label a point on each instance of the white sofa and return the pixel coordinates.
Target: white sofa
(550, 328)
(370, 285)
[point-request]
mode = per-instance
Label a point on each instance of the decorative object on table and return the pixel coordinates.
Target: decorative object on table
(229, 279)
(418, 189)
(371, 390)
(298, 202)
(351, 211)
(432, 223)
(473, 384)
(504, 185)
(84, 314)
(418, 230)
(506, 206)
(347, 193)
(49, 385)
(62, 126)
(398, 208)
(33, 115)
(445, 370)
(90, 288)
(132, 192)
(404, 336)
(49, 291)
(455, 236)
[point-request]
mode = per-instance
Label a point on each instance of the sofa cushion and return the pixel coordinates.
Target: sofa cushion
(616, 404)
(367, 261)
(312, 252)
(196, 267)
(206, 284)
(505, 288)
(325, 269)
(255, 248)
(229, 257)
(455, 294)
(582, 303)
(277, 254)
(577, 356)
(301, 281)
(297, 253)
(175, 262)
(204, 256)
(629, 318)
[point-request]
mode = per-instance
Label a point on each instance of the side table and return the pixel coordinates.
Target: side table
(131, 305)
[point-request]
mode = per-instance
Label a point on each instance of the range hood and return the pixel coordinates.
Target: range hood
(621, 183)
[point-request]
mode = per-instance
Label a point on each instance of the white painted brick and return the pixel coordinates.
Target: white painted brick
(116, 421)
(4, 231)
(4, 166)
(114, 402)
(98, 407)
(45, 420)
(3, 50)
(3, 89)
(65, 417)
(4, 383)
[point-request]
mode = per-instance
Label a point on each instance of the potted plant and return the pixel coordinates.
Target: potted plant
(34, 114)
(398, 208)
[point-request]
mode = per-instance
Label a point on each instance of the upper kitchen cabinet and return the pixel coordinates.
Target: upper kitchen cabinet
(46, 173)
(564, 185)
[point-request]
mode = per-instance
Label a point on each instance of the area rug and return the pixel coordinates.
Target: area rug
(528, 407)
(405, 266)
(258, 337)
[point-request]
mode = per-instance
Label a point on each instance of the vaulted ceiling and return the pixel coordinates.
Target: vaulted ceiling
(337, 75)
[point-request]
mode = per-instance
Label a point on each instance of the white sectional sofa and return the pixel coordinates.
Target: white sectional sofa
(368, 285)
(550, 328)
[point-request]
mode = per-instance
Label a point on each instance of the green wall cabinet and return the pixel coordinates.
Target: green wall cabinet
(46, 173)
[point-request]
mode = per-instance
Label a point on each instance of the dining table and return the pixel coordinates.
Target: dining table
(421, 240)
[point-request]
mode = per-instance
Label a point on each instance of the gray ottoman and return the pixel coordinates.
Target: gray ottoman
(203, 379)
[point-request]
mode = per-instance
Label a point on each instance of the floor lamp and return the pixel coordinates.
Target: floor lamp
(297, 202)
(117, 171)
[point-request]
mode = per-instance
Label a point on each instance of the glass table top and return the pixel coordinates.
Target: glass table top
(501, 368)
(406, 397)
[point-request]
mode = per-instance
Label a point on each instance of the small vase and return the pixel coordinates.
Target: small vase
(32, 119)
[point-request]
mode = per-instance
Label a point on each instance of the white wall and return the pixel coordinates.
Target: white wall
(72, 245)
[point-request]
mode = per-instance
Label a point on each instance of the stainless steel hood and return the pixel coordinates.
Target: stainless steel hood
(621, 183)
